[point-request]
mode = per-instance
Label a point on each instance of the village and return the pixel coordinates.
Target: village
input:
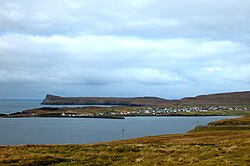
(148, 111)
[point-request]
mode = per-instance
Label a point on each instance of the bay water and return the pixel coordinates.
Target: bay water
(11, 106)
(16, 131)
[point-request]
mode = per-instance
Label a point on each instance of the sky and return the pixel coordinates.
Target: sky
(126, 48)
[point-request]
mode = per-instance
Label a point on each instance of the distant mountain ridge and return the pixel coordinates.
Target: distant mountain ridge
(136, 101)
(232, 98)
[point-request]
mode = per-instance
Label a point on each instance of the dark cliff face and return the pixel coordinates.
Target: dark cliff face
(137, 101)
(58, 100)
(3, 115)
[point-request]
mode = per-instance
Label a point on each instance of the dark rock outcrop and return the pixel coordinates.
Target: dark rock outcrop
(3, 115)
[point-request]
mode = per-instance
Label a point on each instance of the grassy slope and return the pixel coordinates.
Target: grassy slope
(233, 98)
(238, 121)
(217, 147)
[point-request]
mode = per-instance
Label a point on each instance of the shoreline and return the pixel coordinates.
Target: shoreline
(112, 117)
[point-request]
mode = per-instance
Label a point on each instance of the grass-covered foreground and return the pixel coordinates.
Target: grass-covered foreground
(203, 147)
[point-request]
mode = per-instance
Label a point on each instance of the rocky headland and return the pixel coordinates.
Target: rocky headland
(232, 98)
(133, 101)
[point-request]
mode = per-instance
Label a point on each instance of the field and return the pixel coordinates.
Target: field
(226, 146)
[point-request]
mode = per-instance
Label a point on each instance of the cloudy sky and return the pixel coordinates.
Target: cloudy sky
(164, 48)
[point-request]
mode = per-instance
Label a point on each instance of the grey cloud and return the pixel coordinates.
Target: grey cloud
(104, 60)
(145, 19)
(146, 47)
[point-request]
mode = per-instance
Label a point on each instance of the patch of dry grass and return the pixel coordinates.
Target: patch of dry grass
(202, 148)
(236, 121)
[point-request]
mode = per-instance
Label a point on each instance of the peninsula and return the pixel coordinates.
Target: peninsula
(235, 103)
(136, 101)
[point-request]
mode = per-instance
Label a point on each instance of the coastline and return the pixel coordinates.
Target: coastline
(113, 117)
(121, 112)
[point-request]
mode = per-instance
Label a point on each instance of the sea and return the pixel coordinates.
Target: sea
(11, 106)
(19, 131)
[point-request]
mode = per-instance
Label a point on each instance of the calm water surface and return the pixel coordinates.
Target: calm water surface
(11, 106)
(81, 131)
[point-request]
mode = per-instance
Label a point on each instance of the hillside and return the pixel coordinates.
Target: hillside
(137, 101)
(233, 98)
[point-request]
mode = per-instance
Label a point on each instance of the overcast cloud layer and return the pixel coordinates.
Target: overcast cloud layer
(165, 48)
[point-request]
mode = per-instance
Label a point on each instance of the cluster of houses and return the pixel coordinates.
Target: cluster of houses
(161, 111)
(215, 108)
(169, 110)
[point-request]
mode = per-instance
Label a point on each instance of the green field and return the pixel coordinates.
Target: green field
(224, 146)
